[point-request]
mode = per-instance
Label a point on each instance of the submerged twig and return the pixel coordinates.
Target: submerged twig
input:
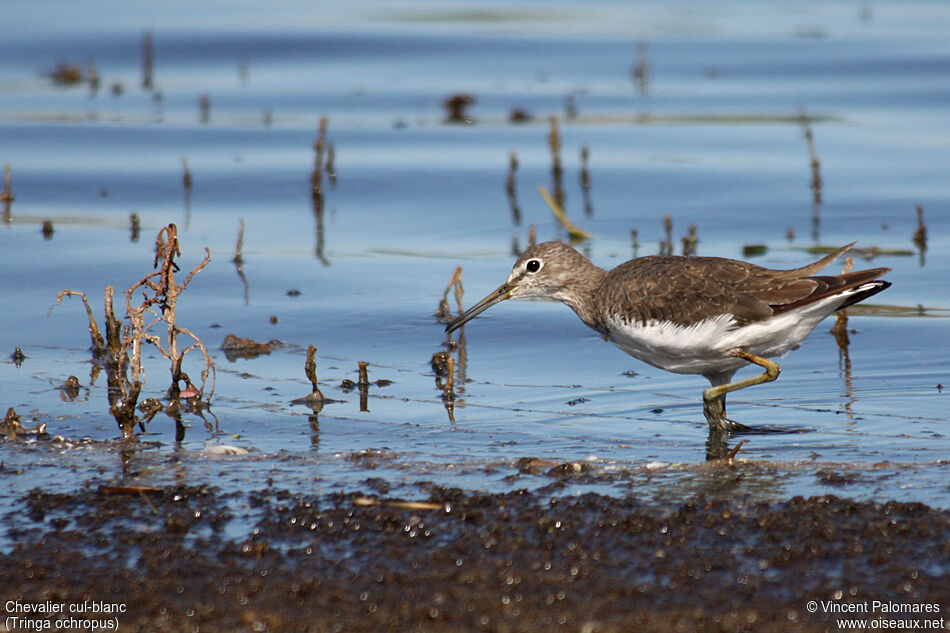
(640, 72)
(920, 235)
(98, 344)
(148, 59)
(666, 246)
(444, 312)
(690, 241)
(511, 188)
(186, 180)
(815, 164)
(554, 143)
(586, 182)
(6, 197)
(576, 234)
(204, 107)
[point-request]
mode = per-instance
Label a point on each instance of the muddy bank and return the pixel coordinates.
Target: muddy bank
(274, 560)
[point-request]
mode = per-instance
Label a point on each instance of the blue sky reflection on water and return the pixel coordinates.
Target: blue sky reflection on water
(711, 141)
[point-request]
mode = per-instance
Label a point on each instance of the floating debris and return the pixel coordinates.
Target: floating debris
(456, 107)
(869, 252)
(405, 505)
(12, 428)
(66, 74)
(754, 250)
(235, 347)
(519, 115)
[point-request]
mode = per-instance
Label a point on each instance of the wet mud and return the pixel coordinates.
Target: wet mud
(463, 561)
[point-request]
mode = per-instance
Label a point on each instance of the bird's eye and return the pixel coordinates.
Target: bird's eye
(533, 265)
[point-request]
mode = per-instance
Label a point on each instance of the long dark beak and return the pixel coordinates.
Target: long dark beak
(502, 293)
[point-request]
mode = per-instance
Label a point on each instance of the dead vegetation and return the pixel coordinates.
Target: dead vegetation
(121, 351)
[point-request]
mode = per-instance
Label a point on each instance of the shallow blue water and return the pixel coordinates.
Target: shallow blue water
(713, 140)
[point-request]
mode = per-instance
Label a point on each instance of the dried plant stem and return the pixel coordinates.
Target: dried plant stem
(98, 345)
(574, 232)
(310, 368)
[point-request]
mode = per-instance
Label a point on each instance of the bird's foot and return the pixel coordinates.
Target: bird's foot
(715, 411)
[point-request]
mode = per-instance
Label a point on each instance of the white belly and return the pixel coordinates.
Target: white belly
(704, 347)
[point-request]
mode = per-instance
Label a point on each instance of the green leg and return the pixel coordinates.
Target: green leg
(714, 398)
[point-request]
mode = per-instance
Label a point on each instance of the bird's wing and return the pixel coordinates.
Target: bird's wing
(684, 290)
